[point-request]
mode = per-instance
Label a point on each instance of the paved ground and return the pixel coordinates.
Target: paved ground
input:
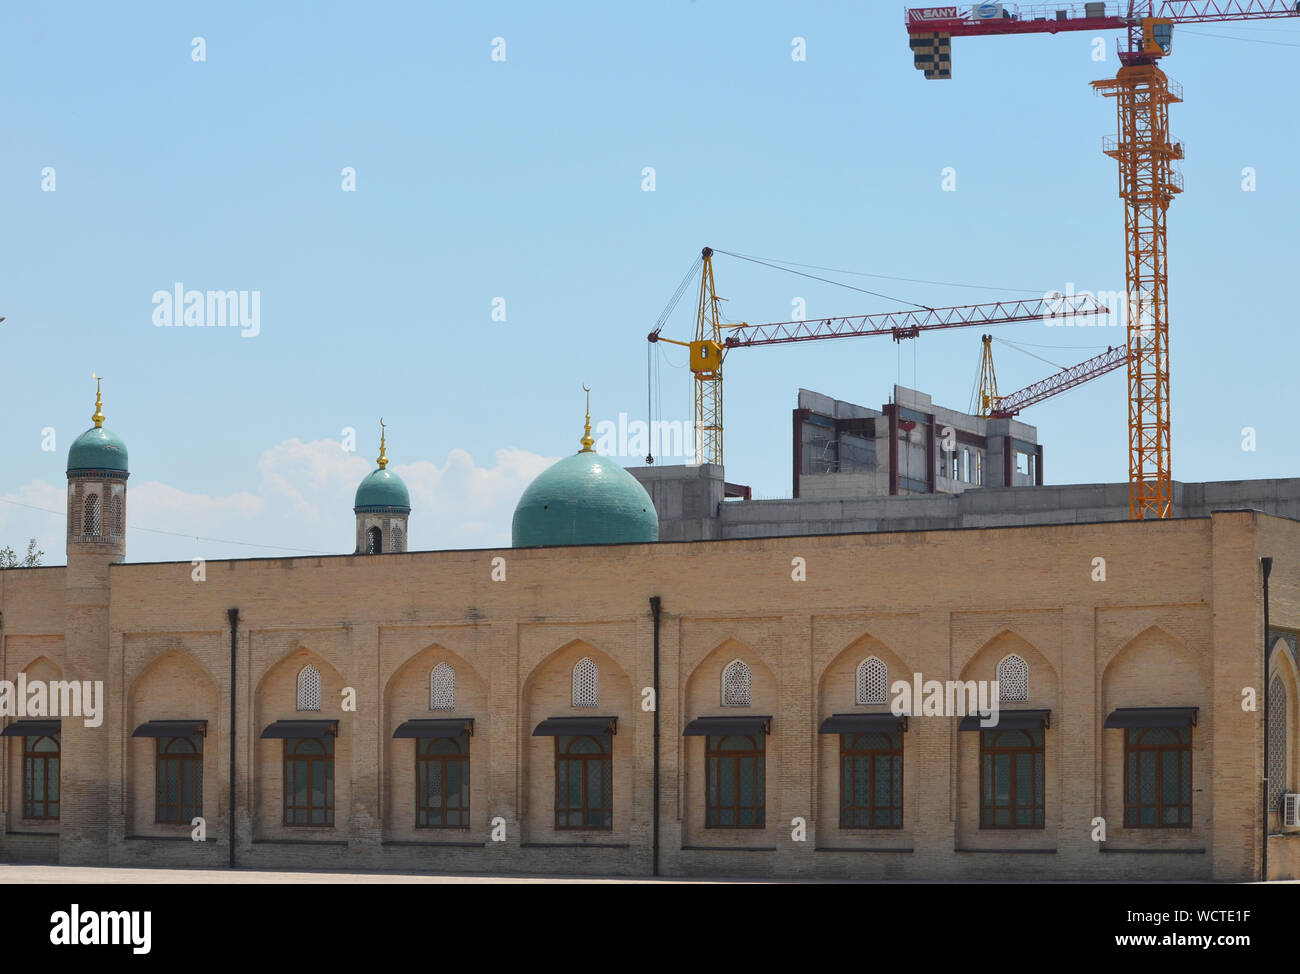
(99, 875)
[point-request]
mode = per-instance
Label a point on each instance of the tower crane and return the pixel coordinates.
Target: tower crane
(993, 406)
(1148, 181)
(711, 346)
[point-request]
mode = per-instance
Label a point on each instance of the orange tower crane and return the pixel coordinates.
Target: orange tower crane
(710, 346)
(1147, 180)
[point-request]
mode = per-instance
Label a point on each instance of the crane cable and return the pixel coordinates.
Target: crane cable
(651, 363)
(824, 280)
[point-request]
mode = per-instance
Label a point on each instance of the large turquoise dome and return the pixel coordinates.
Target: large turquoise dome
(584, 499)
(382, 492)
(97, 449)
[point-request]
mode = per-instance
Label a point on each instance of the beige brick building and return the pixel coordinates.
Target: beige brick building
(705, 708)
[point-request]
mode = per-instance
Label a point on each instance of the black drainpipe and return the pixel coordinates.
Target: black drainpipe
(1267, 564)
(654, 612)
(233, 615)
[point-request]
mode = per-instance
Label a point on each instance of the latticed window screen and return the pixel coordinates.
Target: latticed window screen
(586, 683)
(117, 517)
(737, 685)
(442, 688)
(873, 681)
(1013, 680)
(1277, 704)
(309, 688)
(90, 519)
(374, 542)
(396, 542)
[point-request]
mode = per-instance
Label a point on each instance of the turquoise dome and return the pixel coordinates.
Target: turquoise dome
(97, 449)
(584, 499)
(382, 492)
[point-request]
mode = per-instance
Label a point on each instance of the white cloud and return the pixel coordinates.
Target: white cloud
(303, 503)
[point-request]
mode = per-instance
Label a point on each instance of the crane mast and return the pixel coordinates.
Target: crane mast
(1147, 184)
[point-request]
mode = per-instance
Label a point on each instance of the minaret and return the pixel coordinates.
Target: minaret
(97, 472)
(382, 507)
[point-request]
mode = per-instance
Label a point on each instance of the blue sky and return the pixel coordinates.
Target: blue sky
(522, 179)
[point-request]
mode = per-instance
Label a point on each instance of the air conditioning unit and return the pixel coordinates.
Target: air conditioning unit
(1291, 811)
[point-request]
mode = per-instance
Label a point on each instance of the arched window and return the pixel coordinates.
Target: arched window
(736, 684)
(309, 781)
(309, 688)
(736, 782)
(118, 520)
(396, 539)
(374, 541)
(442, 687)
(584, 782)
(90, 521)
(178, 779)
(586, 683)
(41, 777)
(442, 782)
(1277, 776)
(1013, 680)
(873, 681)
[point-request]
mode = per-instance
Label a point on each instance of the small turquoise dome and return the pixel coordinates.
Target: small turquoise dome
(584, 499)
(382, 492)
(97, 449)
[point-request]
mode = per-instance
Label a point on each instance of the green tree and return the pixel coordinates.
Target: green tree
(8, 559)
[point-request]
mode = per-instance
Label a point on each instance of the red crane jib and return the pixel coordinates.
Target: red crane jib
(960, 21)
(1004, 407)
(909, 324)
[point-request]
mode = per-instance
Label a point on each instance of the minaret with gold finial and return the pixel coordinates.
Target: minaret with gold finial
(97, 474)
(382, 507)
(586, 441)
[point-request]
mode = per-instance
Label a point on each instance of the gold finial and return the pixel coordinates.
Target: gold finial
(586, 440)
(98, 418)
(383, 454)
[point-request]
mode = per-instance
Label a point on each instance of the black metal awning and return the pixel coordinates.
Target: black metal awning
(1152, 717)
(171, 728)
(32, 727)
(722, 726)
(863, 724)
(283, 729)
(425, 727)
(566, 726)
(1008, 720)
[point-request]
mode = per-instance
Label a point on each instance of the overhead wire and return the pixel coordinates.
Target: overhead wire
(179, 534)
(825, 280)
(883, 277)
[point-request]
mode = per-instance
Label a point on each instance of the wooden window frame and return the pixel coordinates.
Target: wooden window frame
(714, 756)
(448, 805)
(989, 755)
(1133, 735)
(586, 808)
(30, 757)
(187, 763)
(290, 769)
(849, 758)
